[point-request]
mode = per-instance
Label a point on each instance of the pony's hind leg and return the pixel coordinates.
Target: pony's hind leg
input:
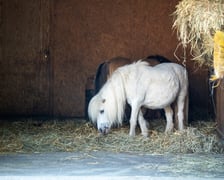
(169, 118)
(180, 112)
(143, 124)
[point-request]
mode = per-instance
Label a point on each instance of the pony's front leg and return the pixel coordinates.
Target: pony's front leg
(133, 120)
(169, 119)
(143, 124)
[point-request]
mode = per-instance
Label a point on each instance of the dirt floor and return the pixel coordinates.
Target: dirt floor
(108, 164)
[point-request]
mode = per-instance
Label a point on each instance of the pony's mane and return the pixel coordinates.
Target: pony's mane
(115, 97)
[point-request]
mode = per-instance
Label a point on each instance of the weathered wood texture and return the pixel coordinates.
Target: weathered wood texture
(220, 109)
(24, 74)
(77, 36)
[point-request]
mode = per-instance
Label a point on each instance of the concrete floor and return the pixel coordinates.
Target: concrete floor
(108, 165)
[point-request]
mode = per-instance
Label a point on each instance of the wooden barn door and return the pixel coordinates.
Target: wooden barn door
(24, 57)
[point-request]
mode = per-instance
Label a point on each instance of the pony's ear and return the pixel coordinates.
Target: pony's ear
(104, 100)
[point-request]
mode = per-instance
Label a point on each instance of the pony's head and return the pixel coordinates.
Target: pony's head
(103, 122)
(107, 107)
(99, 114)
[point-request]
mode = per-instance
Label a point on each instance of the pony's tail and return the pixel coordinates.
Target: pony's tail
(93, 109)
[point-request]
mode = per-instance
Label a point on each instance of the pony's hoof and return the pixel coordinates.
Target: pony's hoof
(132, 134)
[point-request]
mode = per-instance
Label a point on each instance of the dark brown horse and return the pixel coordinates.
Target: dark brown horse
(106, 68)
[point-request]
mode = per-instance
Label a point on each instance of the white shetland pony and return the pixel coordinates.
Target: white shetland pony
(141, 86)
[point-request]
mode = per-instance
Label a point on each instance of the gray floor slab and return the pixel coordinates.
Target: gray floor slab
(99, 165)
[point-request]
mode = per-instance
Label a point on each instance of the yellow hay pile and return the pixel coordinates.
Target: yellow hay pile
(28, 136)
(196, 22)
(218, 56)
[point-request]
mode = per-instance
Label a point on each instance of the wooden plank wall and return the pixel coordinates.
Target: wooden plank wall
(24, 73)
(79, 35)
(86, 33)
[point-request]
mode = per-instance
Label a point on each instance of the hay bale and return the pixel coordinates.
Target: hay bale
(196, 22)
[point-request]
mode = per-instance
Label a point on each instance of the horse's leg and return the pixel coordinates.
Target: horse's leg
(181, 120)
(186, 109)
(143, 124)
(174, 105)
(133, 120)
(180, 112)
(169, 118)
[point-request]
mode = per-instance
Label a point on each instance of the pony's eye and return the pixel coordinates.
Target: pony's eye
(101, 111)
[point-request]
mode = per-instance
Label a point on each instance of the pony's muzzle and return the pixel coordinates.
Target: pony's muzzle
(103, 129)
